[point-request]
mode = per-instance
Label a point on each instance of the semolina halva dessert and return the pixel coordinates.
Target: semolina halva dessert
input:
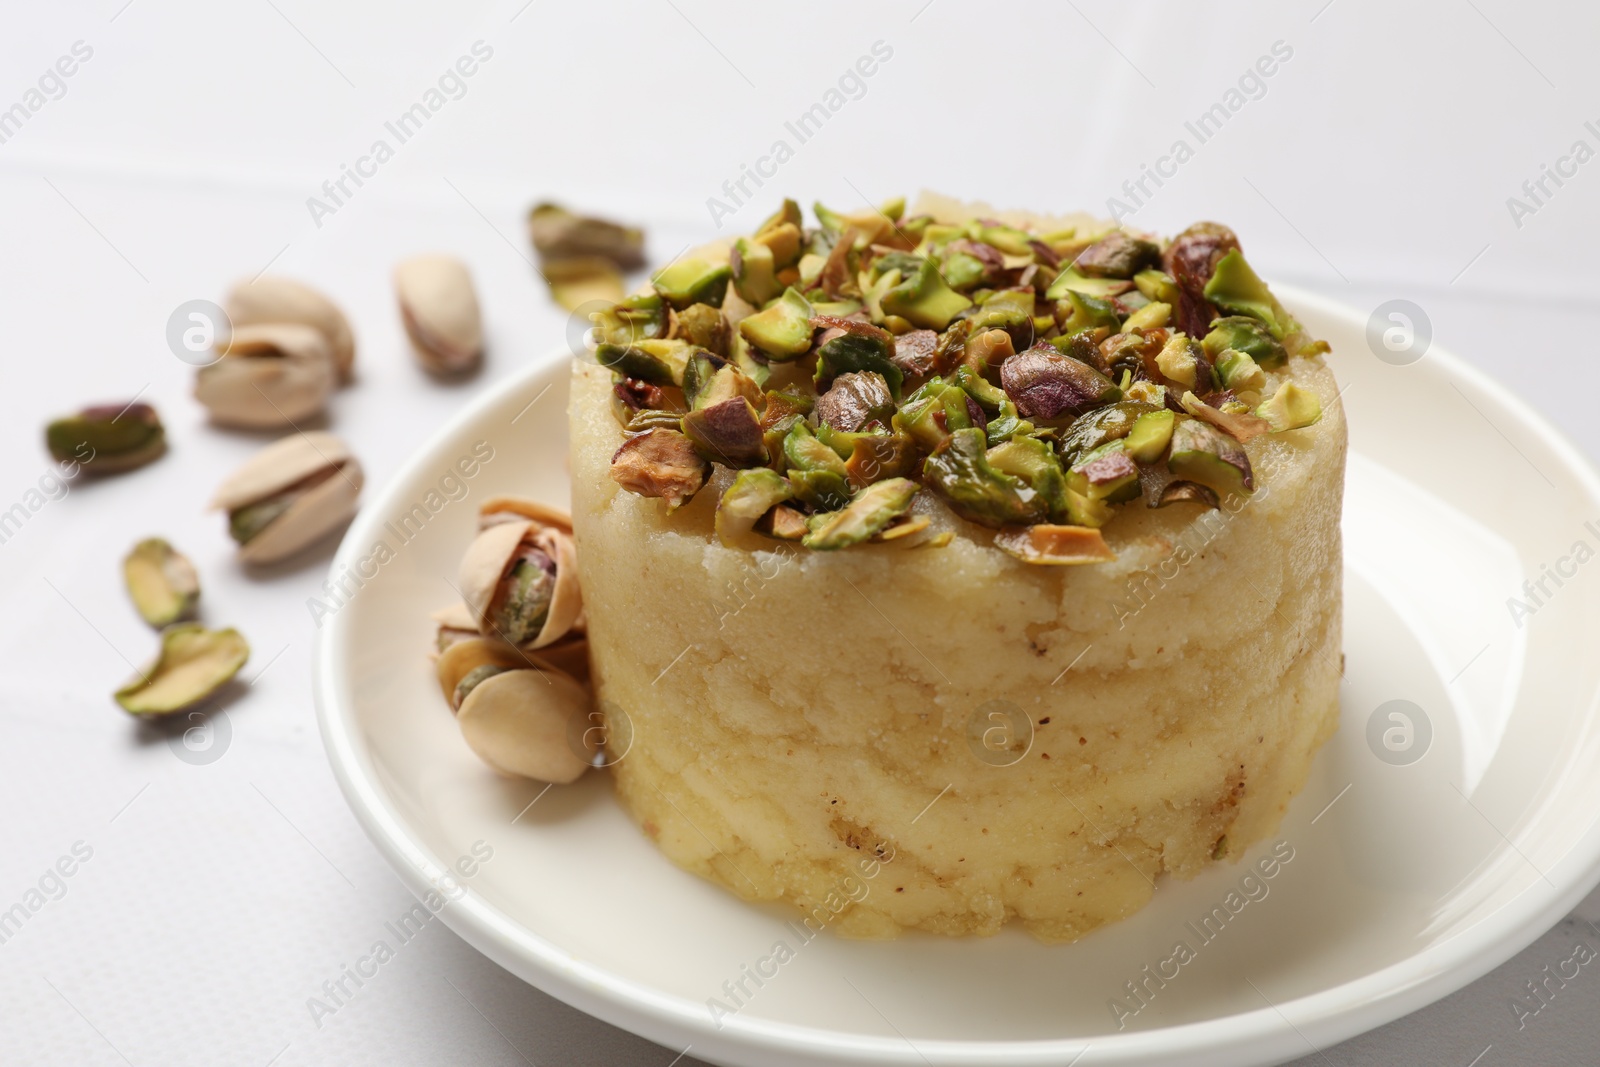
(958, 566)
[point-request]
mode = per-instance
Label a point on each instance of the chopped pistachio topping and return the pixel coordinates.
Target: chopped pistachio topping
(1034, 382)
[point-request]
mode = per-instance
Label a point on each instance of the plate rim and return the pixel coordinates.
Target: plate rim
(1278, 1030)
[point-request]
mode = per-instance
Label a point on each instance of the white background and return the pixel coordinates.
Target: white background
(180, 156)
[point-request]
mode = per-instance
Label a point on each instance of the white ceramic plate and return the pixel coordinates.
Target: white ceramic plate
(1409, 879)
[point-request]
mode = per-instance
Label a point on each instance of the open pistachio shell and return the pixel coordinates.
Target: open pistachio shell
(455, 624)
(439, 307)
(275, 299)
(270, 374)
(492, 555)
(321, 508)
(161, 582)
(505, 508)
(193, 663)
(464, 657)
(520, 723)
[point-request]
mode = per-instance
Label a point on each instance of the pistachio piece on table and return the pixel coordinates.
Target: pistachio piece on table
(1290, 408)
(557, 234)
(1240, 423)
(439, 308)
(107, 438)
(869, 512)
(1044, 384)
(924, 300)
(272, 298)
(1181, 492)
(1202, 453)
(692, 281)
(1049, 545)
(581, 280)
(751, 495)
(519, 723)
(193, 663)
(1118, 254)
(270, 374)
(660, 463)
(161, 582)
(293, 492)
(782, 330)
(959, 471)
(520, 581)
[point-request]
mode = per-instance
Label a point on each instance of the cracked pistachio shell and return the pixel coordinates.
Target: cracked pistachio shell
(161, 582)
(455, 624)
(271, 298)
(107, 438)
(270, 374)
(193, 663)
(439, 307)
(322, 508)
(492, 554)
(519, 722)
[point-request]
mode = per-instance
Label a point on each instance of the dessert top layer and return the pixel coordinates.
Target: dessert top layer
(1033, 379)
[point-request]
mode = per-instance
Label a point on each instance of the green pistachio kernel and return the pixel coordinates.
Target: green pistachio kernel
(960, 472)
(1033, 460)
(656, 361)
(754, 271)
(1157, 286)
(1118, 254)
(856, 346)
(692, 281)
(1235, 287)
(781, 330)
(1106, 473)
(1077, 312)
(1244, 334)
(1290, 408)
(1152, 432)
(868, 513)
(1201, 453)
(924, 300)
(751, 495)
(1238, 372)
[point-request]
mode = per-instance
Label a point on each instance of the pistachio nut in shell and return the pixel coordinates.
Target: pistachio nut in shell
(161, 582)
(269, 375)
(193, 663)
(507, 508)
(519, 723)
(290, 494)
(455, 623)
(464, 657)
(521, 583)
(107, 438)
(272, 298)
(439, 308)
